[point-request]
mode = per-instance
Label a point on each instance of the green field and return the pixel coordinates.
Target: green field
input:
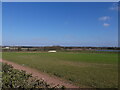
(83, 69)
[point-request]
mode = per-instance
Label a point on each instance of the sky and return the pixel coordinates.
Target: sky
(60, 23)
(0, 23)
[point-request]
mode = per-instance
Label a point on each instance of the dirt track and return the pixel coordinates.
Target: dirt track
(52, 80)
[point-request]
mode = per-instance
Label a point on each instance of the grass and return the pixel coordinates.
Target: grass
(83, 69)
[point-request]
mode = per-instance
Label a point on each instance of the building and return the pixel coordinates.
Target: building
(52, 51)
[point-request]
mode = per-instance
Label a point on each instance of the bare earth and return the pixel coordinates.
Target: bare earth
(52, 80)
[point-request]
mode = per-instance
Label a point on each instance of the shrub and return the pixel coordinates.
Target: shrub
(13, 78)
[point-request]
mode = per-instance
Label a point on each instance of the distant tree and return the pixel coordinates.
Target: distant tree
(28, 49)
(19, 48)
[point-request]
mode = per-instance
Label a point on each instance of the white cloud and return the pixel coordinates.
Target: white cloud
(114, 7)
(106, 24)
(104, 18)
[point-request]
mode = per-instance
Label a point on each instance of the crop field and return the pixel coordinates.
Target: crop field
(99, 70)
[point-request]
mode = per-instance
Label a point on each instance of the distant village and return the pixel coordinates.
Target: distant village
(53, 48)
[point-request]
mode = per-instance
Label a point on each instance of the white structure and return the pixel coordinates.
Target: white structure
(7, 47)
(53, 51)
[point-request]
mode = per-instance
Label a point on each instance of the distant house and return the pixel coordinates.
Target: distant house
(52, 51)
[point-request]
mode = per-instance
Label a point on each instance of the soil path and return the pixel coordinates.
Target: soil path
(52, 80)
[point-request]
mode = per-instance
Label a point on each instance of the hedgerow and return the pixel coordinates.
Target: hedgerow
(13, 78)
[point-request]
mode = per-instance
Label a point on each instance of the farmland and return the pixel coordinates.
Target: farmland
(84, 69)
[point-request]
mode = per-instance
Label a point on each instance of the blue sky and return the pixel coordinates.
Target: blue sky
(0, 23)
(65, 24)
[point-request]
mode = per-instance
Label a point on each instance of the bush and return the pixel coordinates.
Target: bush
(13, 78)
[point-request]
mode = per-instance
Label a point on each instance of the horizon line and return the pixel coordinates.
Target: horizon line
(54, 45)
